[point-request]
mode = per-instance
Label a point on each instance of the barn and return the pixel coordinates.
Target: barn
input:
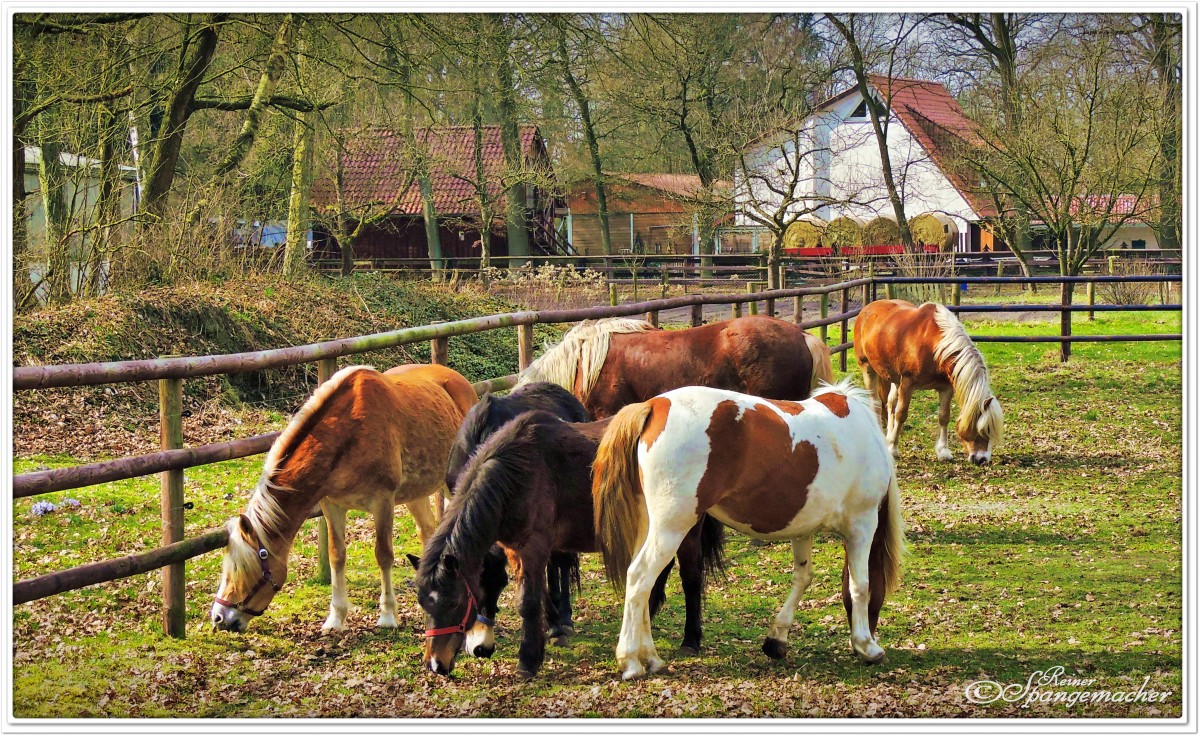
(379, 186)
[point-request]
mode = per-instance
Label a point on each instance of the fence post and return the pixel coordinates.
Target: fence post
(612, 295)
(824, 313)
(524, 346)
(866, 294)
(1091, 293)
(697, 315)
(891, 291)
(439, 350)
(956, 295)
(326, 367)
(999, 275)
(666, 283)
(752, 287)
(845, 326)
(770, 306)
(652, 317)
(170, 417)
(737, 310)
(1065, 322)
(798, 309)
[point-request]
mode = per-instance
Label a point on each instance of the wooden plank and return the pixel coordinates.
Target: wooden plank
(524, 346)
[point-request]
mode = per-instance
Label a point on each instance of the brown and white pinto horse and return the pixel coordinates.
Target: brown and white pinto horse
(901, 348)
(609, 363)
(365, 441)
(770, 469)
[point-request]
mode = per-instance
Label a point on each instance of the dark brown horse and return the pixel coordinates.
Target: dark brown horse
(528, 488)
(610, 363)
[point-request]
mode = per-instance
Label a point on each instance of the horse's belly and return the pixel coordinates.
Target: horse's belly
(805, 522)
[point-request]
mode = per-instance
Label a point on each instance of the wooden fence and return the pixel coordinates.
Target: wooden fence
(174, 459)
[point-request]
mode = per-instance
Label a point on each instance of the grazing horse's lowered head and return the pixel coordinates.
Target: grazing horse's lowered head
(253, 571)
(980, 425)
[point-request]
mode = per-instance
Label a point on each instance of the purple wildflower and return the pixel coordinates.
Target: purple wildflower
(73, 502)
(42, 507)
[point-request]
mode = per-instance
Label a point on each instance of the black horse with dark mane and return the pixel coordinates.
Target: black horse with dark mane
(529, 488)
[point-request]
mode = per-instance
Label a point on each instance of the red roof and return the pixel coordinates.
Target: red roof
(378, 165)
(931, 115)
(639, 193)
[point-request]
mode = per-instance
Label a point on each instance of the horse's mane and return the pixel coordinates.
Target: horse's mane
(582, 351)
(969, 377)
(263, 510)
(498, 471)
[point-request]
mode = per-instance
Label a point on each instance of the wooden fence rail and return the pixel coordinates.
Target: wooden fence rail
(170, 462)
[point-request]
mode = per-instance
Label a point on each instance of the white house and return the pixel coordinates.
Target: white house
(81, 192)
(840, 173)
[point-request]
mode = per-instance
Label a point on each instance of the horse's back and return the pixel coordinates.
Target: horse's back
(897, 338)
(458, 388)
(764, 466)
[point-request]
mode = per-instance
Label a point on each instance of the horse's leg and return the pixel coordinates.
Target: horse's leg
(898, 408)
(533, 634)
(877, 388)
(636, 643)
(943, 441)
(856, 587)
(691, 574)
(775, 645)
(384, 521)
(558, 612)
(339, 606)
(424, 516)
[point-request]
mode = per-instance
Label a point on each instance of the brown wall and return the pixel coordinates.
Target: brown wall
(661, 233)
(405, 238)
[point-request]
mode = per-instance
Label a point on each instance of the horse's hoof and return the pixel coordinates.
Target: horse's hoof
(562, 640)
(872, 653)
(332, 627)
(525, 673)
(387, 621)
(633, 671)
(686, 650)
(945, 455)
(655, 665)
(774, 648)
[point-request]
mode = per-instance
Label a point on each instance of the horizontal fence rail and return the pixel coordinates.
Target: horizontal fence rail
(325, 353)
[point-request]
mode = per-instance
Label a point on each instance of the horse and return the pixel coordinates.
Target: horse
(528, 487)
(609, 363)
(491, 413)
(771, 469)
(901, 347)
(364, 440)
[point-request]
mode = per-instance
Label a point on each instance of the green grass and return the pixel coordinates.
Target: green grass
(1065, 551)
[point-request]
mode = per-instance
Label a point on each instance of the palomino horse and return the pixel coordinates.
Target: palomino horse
(528, 487)
(609, 363)
(365, 441)
(770, 469)
(901, 348)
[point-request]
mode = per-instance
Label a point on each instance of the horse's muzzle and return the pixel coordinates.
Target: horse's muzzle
(483, 651)
(225, 619)
(980, 459)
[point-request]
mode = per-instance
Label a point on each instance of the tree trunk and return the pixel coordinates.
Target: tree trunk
(170, 138)
(593, 143)
(298, 203)
(510, 142)
(1169, 183)
(52, 182)
(433, 238)
(108, 206)
(299, 211)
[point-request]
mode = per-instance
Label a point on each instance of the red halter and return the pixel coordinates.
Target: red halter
(462, 627)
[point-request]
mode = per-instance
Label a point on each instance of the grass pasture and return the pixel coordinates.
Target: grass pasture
(1066, 551)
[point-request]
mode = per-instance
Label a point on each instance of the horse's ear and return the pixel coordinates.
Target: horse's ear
(988, 402)
(244, 524)
(450, 563)
(414, 560)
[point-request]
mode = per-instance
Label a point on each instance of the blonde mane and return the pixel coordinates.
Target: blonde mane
(969, 377)
(263, 511)
(582, 351)
(847, 388)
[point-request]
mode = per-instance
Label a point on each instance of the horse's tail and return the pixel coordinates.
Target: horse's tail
(712, 546)
(822, 361)
(617, 491)
(887, 548)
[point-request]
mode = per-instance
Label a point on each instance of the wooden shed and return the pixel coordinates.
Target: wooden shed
(647, 213)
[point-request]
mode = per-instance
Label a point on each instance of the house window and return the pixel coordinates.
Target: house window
(860, 111)
(1139, 245)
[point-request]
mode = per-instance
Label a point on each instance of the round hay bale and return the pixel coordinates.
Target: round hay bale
(803, 234)
(843, 231)
(881, 231)
(933, 229)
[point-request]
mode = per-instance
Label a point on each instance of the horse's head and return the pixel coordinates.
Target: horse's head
(981, 431)
(251, 574)
(450, 608)
(481, 638)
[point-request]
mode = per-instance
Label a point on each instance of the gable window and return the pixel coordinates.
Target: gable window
(860, 111)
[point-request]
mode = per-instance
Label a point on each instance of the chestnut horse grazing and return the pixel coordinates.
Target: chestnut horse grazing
(902, 347)
(364, 441)
(770, 469)
(609, 363)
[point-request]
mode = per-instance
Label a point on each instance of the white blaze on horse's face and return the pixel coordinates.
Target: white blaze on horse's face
(481, 640)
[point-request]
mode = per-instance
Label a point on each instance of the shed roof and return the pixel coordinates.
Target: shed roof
(379, 165)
